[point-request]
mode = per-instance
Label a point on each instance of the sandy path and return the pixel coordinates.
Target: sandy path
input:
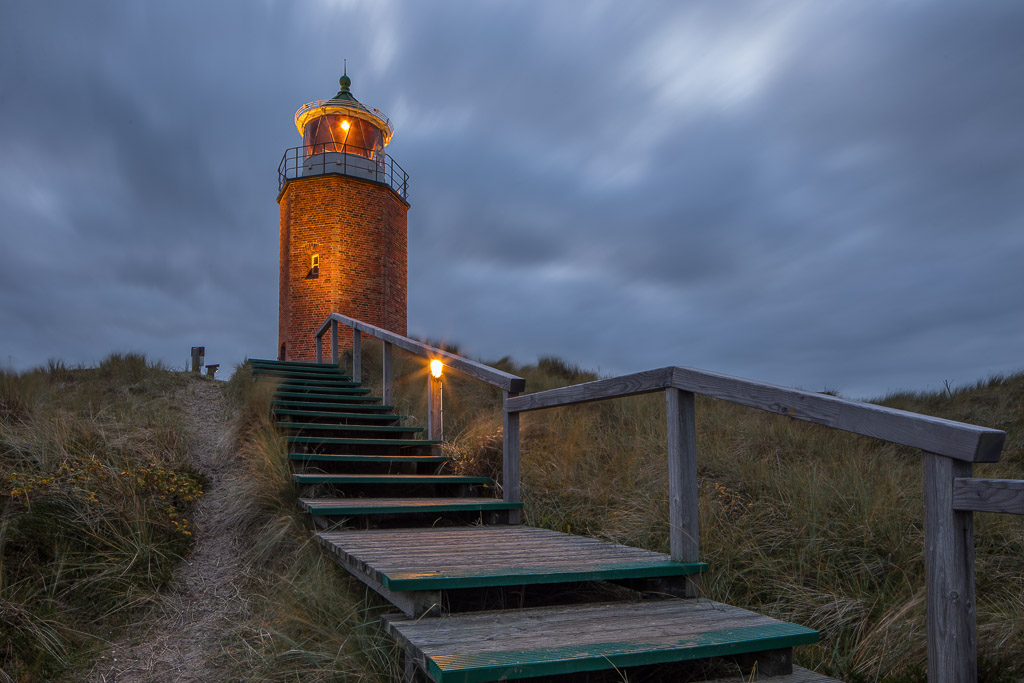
(179, 640)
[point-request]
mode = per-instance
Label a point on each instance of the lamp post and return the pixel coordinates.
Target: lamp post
(435, 431)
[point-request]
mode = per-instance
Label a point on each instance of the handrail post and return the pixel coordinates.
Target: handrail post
(684, 532)
(388, 390)
(319, 348)
(334, 342)
(357, 356)
(435, 419)
(510, 460)
(949, 567)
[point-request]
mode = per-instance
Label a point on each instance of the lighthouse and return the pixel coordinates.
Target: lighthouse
(343, 204)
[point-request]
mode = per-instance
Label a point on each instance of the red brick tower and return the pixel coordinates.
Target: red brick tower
(343, 224)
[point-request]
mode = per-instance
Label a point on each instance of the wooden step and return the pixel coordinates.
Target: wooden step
(305, 383)
(476, 557)
(312, 373)
(548, 641)
(343, 458)
(352, 397)
(320, 426)
(376, 417)
(354, 390)
(292, 363)
(337, 440)
(352, 407)
(395, 506)
(394, 479)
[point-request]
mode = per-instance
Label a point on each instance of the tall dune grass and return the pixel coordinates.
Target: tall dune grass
(95, 499)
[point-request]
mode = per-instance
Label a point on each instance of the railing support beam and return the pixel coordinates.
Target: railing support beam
(319, 349)
(510, 460)
(949, 564)
(435, 418)
(357, 356)
(388, 389)
(684, 532)
(334, 342)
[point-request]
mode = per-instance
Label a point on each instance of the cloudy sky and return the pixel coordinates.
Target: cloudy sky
(824, 195)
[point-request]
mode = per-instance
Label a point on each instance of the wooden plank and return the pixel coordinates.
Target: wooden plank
(315, 426)
(989, 495)
(435, 420)
(329, 458)
(936, 435)
(388, 393)
(510, 442)
(506, 381)
(357, 354)
(391, 506)
(949, 564)
(684, 534)
(359, 442)
(486, 646)
(387, 479)
(599, 390)
(338, 406)
(383, 417)
(495, 556)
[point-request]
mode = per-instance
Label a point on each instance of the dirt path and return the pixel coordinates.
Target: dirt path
(180, 639)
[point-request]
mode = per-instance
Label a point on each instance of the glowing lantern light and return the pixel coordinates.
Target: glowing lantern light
(436, 367)
(344, 125)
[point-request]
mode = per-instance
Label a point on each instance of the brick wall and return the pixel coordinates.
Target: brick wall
(359, 230)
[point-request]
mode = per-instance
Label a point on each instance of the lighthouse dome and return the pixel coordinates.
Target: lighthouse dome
(343, 124)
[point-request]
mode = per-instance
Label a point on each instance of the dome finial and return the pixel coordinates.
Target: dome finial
(345, 82)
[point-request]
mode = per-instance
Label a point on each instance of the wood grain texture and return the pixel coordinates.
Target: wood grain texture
(487, 646)
(388, 391)
(949, 565)
(485, 373)
(684, 534)
(510, 442)
(989, 495)
(599, 390)
(935, 435)
(334, 342)
(357, 355)
(435, 419)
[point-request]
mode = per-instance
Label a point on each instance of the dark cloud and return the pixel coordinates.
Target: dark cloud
(810, 195)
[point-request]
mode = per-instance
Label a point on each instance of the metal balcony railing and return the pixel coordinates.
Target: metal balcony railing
(348, 160)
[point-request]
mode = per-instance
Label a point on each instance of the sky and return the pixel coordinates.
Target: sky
(827, 195)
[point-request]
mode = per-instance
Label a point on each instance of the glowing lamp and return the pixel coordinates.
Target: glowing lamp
(436, 367)
(344, 125)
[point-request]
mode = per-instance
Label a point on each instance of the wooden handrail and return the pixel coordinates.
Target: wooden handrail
(948, 451)
(957, 440)
(484, 373)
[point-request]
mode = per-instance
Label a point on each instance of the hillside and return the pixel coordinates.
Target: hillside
(803, 523)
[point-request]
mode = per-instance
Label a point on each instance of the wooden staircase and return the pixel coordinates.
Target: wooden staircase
(484, 600)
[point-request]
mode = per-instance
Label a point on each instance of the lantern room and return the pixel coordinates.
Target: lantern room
(342, 135)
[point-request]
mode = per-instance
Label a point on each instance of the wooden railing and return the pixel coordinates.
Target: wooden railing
(948, 450)
(510, 384)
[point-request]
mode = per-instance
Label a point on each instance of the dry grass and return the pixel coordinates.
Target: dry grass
(95, 501)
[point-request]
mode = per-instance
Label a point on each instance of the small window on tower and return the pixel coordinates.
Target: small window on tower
(314, 266)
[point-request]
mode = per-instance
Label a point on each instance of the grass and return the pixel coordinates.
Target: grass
(95, 500)
(798, 521)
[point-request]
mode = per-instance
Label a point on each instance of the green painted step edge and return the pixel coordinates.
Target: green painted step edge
(291, 363)
(353, 428)
(404, 509)
(388, 479)
(521, 577)
(327, 457)
(350, 416)
(361, 406)
(312, 383)
(329, 371)
(361, 442)
(357, 390)
(550, 661)
(352, 396)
